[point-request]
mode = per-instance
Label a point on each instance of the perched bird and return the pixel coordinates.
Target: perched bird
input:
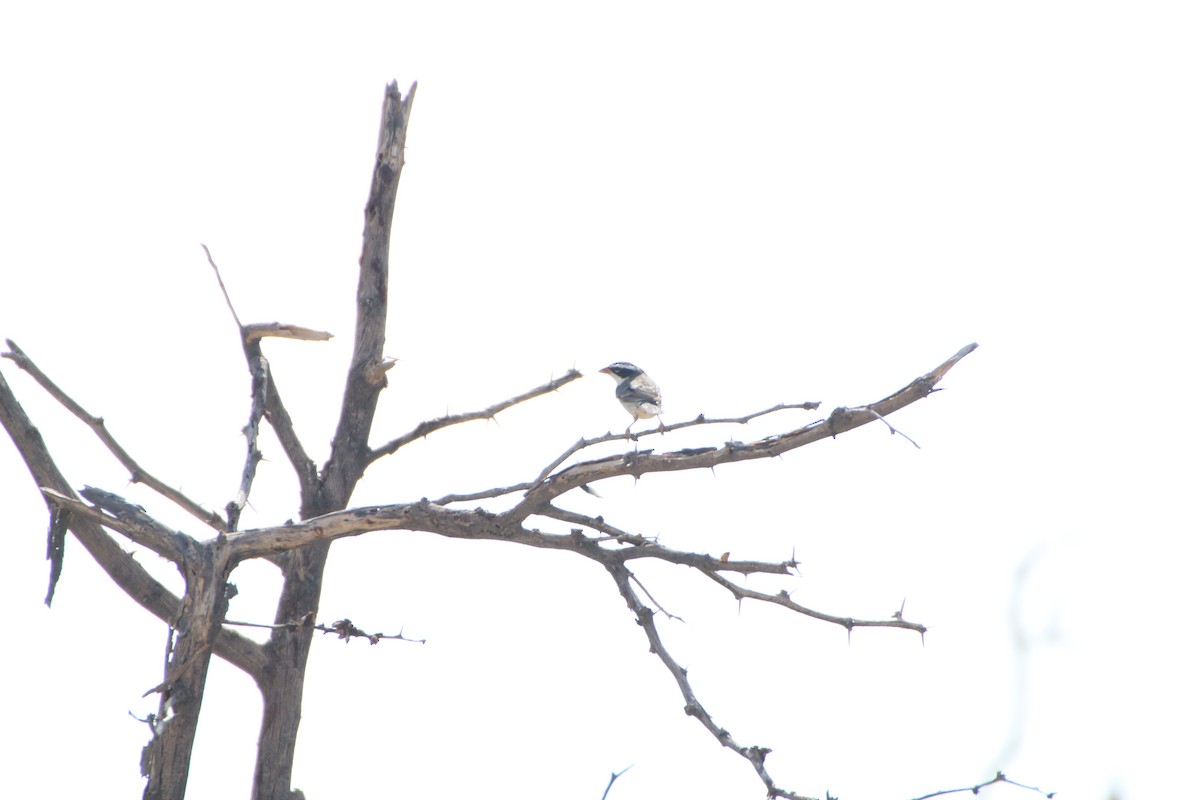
(636, 391)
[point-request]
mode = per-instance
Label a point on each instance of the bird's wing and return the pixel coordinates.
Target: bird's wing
(643, 391)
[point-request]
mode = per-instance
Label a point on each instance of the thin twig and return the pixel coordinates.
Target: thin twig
(1000, 778)
(344, 628)
(612, 780)
(221, 283)
(784, 600)
(598, 524)
(486, 494)
(350, 453)
(892, 428)
(650, 597)
(614, 551)
(136, 473)
(281, 422)
(429, 426)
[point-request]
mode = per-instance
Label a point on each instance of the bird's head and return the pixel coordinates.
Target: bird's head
(621, 370)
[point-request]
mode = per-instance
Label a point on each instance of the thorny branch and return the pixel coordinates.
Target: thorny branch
(344, 628)
(585, 443)
(636, 464)
(692, 707)
(595, 523)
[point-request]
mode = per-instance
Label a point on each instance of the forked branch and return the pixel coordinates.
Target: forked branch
(265, 400)
(640, 463)
(757, 756)
(583, 444)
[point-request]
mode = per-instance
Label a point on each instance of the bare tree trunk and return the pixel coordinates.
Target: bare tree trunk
(282, 682)
(204, 606)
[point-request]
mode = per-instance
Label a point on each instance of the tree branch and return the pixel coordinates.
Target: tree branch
(583, 444)
(224, 291)
(999, 778)
(640, 463)
(126, 518)
(260, 372)
(303, 569)
(285, 431)
(429, 426)
(595, 523)
(784, 600)
(692, 706)
(366, 377)
(344, 628)
(136, 473)
(485, 494)
(265, 398)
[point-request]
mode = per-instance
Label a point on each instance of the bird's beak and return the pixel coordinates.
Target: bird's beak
(606, 371)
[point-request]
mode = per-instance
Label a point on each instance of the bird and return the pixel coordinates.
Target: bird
(638, 393)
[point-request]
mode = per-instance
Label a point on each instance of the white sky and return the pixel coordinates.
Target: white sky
(785, 202)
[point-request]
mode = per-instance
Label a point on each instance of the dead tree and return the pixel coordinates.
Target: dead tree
(299, 550)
